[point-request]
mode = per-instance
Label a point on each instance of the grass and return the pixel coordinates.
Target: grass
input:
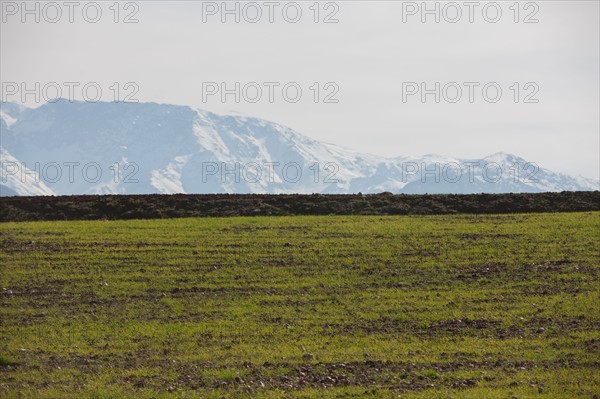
(271, 307)
(6, 361)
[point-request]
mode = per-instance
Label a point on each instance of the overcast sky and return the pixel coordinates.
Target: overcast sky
(369, 54)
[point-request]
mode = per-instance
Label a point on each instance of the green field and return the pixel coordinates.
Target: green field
(459, 306)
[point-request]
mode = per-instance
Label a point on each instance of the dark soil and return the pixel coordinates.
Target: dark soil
(94, 207)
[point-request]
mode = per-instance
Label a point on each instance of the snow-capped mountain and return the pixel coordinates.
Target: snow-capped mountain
(133, 148)
(15, 178)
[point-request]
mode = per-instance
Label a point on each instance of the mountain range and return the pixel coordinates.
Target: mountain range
(72, 147)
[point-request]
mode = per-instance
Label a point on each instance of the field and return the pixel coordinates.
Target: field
(156, 206)
(447, 306)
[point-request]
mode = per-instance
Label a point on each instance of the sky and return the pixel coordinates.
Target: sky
(368, 61)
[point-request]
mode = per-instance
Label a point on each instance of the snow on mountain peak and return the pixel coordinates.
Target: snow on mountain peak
(161, 148)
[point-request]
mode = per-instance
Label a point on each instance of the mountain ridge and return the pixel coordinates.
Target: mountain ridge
(79, 147)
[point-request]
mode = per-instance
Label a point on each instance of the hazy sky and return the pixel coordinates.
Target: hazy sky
(370, 54)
